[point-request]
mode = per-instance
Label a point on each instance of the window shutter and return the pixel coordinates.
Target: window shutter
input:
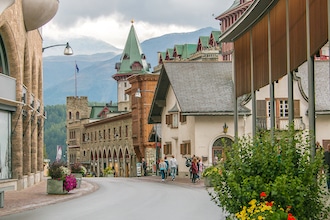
(168, 119)
(189, 148)
(261, 108)
(182, 148)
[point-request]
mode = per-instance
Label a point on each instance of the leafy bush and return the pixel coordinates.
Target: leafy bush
(282, 167)
(211, 171)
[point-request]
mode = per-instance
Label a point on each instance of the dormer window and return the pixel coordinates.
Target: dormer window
(143, 57)
(126, 56)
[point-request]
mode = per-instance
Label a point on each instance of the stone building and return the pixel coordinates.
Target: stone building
(21, 95)
(115, 135)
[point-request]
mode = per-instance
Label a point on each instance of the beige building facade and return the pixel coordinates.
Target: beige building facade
(21, 92)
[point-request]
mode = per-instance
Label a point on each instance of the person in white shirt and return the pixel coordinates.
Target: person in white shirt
(173, 165)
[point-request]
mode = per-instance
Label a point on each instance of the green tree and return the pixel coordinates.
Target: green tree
(284, 170)
(55, 130)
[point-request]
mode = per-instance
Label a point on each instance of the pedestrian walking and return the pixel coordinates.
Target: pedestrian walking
(200, 168)
(167, 166)
(162, 167)
(194, 170)
(173, 165)
(144, 166)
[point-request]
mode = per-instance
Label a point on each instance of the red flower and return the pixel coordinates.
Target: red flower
(269, 203)
(263, 195)
(291, 217)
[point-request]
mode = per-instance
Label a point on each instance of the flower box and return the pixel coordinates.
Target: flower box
(55, 187)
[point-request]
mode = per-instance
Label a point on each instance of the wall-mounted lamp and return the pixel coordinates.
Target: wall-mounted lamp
(225, 128)
(138, 93)
(67, 50)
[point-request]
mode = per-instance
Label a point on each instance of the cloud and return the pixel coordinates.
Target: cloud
(109, 20)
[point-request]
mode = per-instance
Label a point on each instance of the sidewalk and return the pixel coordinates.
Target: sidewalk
(36, 196)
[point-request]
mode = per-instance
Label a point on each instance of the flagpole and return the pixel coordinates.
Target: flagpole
(75, 77)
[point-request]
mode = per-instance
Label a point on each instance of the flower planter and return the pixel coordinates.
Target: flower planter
(55, 187)
(110, 175)
(78, 178)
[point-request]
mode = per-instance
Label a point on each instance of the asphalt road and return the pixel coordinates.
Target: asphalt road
(131, 198)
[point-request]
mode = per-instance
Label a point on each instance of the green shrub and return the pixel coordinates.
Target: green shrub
(282, 167)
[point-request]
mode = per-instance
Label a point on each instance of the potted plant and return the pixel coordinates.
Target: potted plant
(108, 172)
(78, 170)
(61, 181)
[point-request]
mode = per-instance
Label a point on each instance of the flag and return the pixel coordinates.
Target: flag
(77, 68)
(59, 153)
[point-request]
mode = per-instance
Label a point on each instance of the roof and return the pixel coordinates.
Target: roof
(204, 40)
(178, 49)
(215, 36)
(188, 50)
(255, 11)
(97, 109)
(132, 54)
(169, 54)
(201, 88)
(322, 85)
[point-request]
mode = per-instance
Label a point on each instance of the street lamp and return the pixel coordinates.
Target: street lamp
(67, 50)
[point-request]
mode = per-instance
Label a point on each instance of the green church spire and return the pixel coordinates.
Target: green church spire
(133, 60)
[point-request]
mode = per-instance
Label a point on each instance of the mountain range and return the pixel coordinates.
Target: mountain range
(96, 63)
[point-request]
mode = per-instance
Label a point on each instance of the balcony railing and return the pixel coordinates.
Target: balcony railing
(263, 123)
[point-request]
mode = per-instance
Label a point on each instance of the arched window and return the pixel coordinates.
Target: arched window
(70, 115)
(218, 148)
(77, 115)
(3, 59)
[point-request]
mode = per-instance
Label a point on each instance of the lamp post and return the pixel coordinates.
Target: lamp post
(67, 50)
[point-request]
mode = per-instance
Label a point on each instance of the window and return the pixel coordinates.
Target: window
(72, 134)
(77, 115)
(70, 115)
(168, 148)
(172, 120)
(109, 133)
(281, 113)
(284, 108)
(3, 59)
(185, 148)
(126, 131)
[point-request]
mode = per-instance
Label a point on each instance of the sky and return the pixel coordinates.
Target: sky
(110, 20)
